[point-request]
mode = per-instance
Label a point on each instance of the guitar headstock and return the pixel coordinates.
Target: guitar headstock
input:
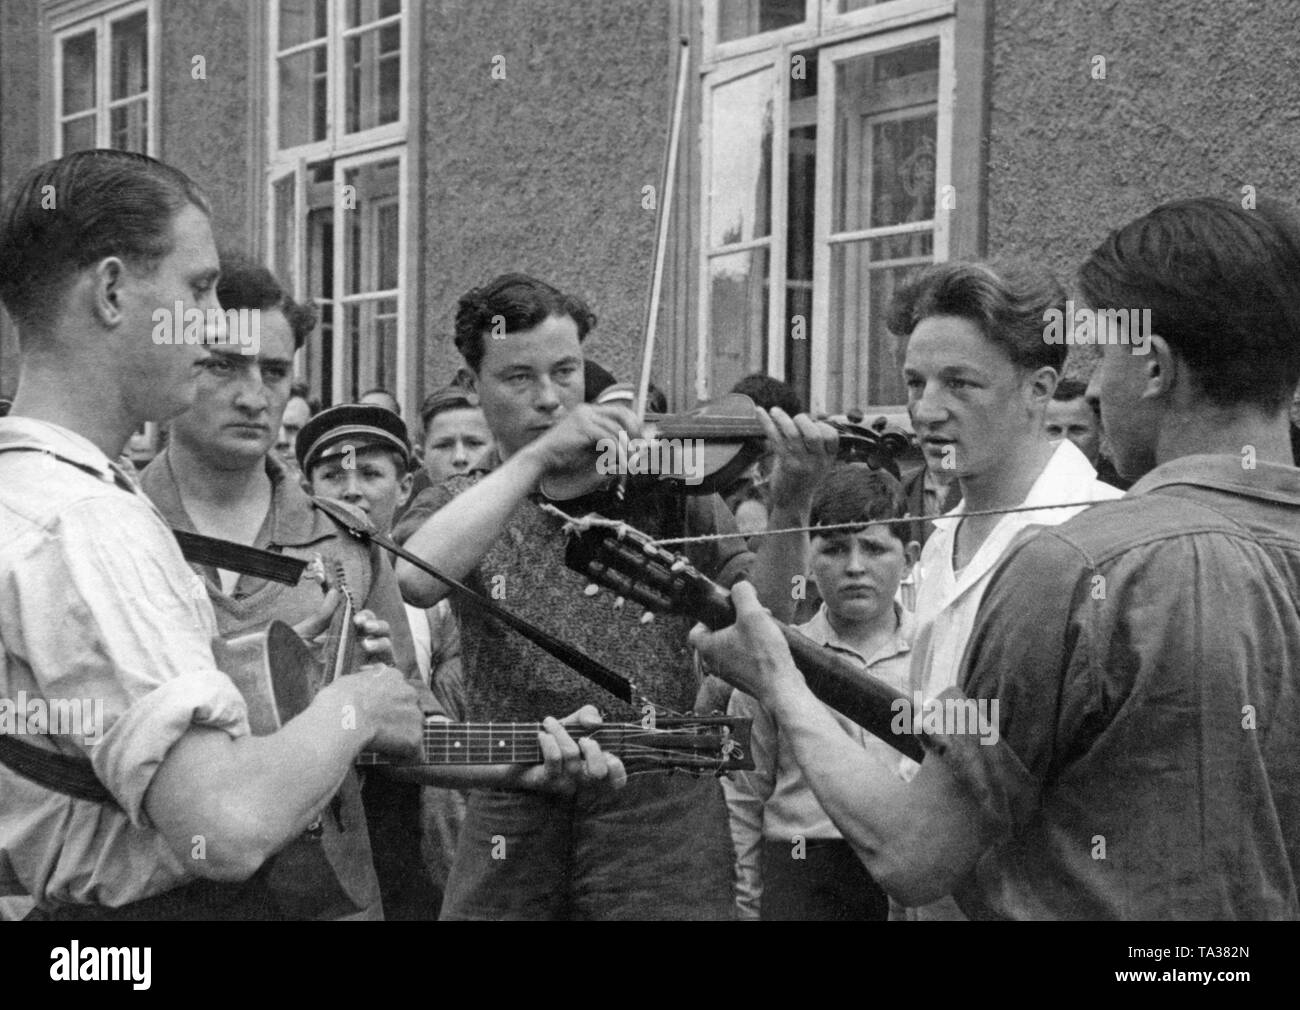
(627, 562)
(696, 744)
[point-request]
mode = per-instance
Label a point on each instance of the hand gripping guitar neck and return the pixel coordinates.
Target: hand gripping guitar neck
(629, 563)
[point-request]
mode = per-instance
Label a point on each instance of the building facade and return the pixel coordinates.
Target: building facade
(383, 156)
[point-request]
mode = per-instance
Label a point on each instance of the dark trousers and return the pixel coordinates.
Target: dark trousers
(829, 884)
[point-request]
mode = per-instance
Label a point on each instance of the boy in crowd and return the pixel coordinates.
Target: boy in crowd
(359, 454)
(791, 861)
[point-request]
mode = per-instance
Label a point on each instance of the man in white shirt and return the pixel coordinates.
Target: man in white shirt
(979, 376)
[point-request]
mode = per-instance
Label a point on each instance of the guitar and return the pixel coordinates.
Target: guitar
(626, 561)
(715, 744)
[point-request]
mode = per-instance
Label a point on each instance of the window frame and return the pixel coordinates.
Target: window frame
(823, 235)
(391, 141)
(72, 20)
(835, 37)
(338, 142)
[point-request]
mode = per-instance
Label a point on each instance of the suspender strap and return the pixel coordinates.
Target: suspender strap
(71, 776)
(196, 548)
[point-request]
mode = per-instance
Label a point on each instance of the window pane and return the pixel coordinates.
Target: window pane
(740, 18)
(303, 97)
(885, 137)
(374, 78)
(302, 21)
(79, 134)
(857, 5)
(130, 56)
(129, 127)
(740, 176)
(79, 73)
(370, 346)
(864, 359)
(372, 236)
(285, 229)
(738, 306)
(320, 285)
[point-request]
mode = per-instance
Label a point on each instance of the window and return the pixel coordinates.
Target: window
(103, 67)
(337, 216)
(827, 132)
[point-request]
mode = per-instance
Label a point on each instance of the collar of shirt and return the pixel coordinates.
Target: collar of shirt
(290, 521)
(819, 629)
(28, 433)
(1068, 477)
(1266, 481)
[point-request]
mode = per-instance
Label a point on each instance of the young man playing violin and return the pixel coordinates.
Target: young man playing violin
(661, 849)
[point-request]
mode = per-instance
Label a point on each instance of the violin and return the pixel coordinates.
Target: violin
(704, 451)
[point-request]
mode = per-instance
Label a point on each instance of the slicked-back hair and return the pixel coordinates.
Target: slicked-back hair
(854, 492)
(246, 284)
(70, 213)
(1007, 301)
(520, 302)
(1223, 287)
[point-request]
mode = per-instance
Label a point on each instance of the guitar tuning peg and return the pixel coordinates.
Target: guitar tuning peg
(591, 589)
(618, 602)
(677, 565)
(647, 617)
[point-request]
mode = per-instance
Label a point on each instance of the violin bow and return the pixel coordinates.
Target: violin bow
(663, 223)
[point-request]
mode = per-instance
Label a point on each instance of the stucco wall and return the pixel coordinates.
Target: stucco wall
(1199, 97)
(20, 99)
(205, 126)
(542, 172)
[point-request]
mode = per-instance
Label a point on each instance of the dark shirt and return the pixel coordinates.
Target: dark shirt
(509, 678)
(1145, 656)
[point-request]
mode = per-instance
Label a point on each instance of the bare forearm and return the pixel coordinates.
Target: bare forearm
(457, 536)
(780, 559)
(245, 798)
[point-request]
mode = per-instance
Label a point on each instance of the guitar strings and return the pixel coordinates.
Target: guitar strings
(596, 520)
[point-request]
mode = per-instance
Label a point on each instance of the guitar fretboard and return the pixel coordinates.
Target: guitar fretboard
(472, 743)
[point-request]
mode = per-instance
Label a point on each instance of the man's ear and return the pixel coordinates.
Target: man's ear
(467, 379)
(1041, 384)
(304, 482)
(108, 275)
(912, 554)
(1160, 369)
(404, 487)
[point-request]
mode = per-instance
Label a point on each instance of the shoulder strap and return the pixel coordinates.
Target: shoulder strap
(71, 776)
(198, 549)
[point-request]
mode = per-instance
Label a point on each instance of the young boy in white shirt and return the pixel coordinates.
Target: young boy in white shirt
(791, 861)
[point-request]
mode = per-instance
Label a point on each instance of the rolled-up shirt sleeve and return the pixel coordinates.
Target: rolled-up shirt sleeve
(106, 612)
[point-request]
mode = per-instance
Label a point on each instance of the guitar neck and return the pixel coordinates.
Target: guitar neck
(484, 743)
